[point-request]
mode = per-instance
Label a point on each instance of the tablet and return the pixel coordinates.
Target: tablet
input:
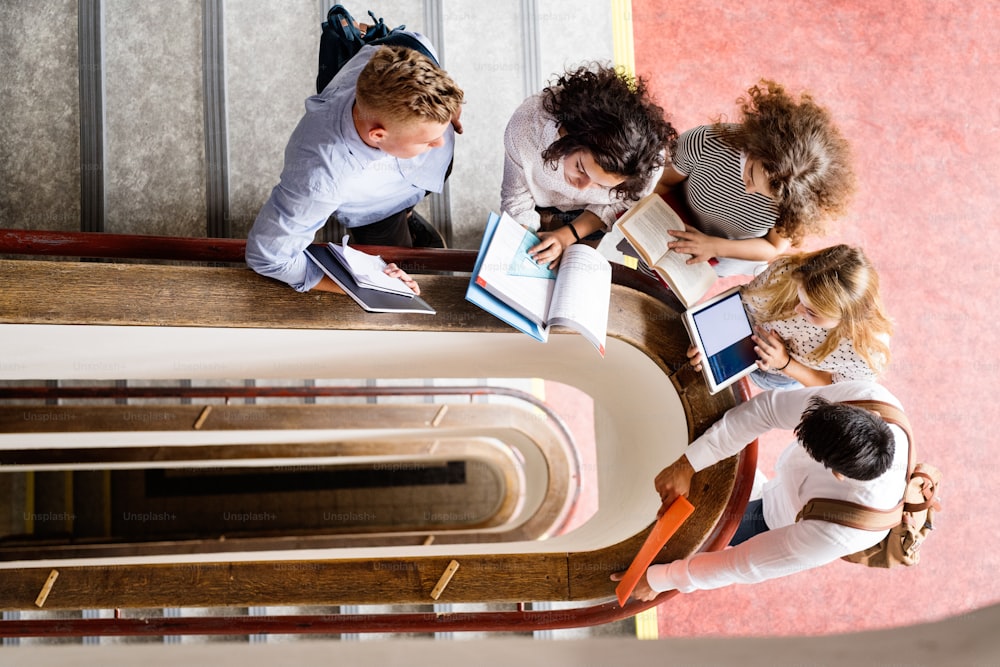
(720, 328)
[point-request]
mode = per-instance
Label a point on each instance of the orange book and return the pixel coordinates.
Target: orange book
(665, 527)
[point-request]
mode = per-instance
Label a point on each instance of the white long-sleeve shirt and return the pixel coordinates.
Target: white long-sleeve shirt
(528, 183)
(788, 547)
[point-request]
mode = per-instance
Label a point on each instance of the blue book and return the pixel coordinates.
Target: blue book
(508, 283)
(481, 297)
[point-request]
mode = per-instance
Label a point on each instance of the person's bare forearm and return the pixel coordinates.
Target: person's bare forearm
(808, 377)
(668, 179)
(586, 224)
(327, 285)
(756, 250)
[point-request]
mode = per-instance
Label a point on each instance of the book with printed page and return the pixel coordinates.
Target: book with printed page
(372, 300)
(645, 227)
(508, 283)
(368, 270)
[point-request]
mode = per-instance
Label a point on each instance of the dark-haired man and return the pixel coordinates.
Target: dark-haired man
(841, 451)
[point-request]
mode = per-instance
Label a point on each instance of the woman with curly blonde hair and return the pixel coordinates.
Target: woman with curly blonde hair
(819, 319)
(759, 186)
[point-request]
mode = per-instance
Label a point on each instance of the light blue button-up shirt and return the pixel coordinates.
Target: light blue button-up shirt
(329, 169)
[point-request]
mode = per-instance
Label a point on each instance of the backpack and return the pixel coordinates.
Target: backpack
(909, 523)
(342, 39)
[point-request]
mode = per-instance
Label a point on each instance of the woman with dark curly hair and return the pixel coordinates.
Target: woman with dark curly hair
(581, 152)
(759, 186)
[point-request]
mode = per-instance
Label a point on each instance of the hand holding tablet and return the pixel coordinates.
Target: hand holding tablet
(723, 333)
(772, 351)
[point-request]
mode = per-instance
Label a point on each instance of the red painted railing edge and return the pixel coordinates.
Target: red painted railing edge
(103, 245)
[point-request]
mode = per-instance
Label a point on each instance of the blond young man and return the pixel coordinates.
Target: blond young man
(378, 138)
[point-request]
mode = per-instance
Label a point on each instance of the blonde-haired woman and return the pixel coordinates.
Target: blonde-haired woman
(819, 319)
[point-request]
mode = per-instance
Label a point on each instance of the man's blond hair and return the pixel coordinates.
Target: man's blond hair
(403, 85)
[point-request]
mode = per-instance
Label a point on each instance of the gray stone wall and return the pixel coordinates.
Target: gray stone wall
(154, 144)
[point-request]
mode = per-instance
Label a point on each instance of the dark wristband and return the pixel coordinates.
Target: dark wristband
(573, 229)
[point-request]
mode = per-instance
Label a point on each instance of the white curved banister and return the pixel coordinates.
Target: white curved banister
(639, 420)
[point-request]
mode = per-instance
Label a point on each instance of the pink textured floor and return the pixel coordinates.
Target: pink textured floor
(913, 86)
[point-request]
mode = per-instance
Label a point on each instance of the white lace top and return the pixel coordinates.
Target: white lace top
(802, 338)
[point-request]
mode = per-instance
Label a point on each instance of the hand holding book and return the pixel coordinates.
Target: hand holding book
(509, 283)
(396, 273)
(371, 272)
(690, 241)
(377, 287)
(653, 230)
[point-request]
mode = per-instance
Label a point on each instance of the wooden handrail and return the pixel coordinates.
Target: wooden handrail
(41, 243)
(643, 316)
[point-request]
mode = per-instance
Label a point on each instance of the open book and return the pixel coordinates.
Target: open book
(645, 226)
(371, 293)
(508, 283)
(368, 270)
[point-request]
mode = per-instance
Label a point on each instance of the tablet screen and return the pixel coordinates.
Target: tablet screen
(725, 331)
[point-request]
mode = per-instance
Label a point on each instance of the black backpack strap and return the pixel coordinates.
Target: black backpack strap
(342, 39)
(396, 38)
(377, 29)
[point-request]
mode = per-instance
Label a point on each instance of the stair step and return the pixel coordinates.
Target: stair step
(53, 512)
(92, 503)
(14, 508)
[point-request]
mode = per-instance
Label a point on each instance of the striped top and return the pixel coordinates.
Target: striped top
(715, 190)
